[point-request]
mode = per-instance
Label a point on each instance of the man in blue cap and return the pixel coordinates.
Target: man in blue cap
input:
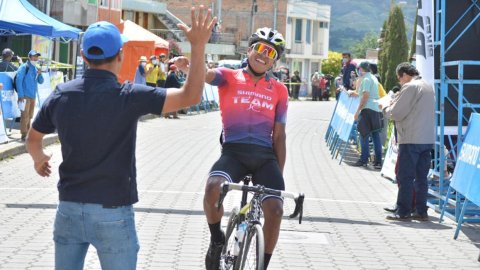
(96, 118)
(27, 80)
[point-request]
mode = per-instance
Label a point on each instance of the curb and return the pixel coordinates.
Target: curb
(47, 140)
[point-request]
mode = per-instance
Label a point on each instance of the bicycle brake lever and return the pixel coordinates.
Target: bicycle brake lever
(223, 192)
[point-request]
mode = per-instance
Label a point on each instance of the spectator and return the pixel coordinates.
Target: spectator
(28, 78)
(7, 58)
(321, 87)
(211, 64)
(369, 116)
(295, 84)
(315, 83)
(162, 70)
(381, 94)
(141, 74)
(347, 67)
(286, 80)
(338, 86)
(413, 112)
(153, 76)
(173, 81)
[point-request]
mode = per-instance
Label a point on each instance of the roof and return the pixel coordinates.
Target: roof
(135, 32)
(19, 16)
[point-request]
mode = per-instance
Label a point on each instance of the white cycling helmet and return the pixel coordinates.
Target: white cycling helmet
(270, 36)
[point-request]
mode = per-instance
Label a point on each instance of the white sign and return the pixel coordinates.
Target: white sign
(388, 168)
(425, 47)
(3, 131)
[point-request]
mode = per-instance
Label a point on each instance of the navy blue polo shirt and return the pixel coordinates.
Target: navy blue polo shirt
(96, 118)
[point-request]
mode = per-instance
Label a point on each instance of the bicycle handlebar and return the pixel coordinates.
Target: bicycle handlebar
(297, 197)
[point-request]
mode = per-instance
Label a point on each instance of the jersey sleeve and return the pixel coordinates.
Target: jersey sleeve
(221, 77)
(282, 105)
(43, 122)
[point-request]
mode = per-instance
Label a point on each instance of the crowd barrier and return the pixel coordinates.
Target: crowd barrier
(466, 177)
(342, 124)
(9, 98)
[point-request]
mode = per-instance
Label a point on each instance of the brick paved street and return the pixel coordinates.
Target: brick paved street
(344, 224)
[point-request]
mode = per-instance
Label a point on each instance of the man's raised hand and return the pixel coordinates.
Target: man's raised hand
(200, 31)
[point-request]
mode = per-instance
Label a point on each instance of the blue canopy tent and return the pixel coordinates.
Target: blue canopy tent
(19, 17)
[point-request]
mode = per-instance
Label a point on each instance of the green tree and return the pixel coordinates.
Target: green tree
(413, 44)
(396, 46)
(370, 41)
(333, 64)
(382, 55)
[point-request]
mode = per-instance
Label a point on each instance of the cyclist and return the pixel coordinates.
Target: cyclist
(254, 111)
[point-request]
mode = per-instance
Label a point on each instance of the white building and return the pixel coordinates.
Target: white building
(307, 37)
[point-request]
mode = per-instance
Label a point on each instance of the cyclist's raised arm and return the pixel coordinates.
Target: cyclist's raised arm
(198, 35)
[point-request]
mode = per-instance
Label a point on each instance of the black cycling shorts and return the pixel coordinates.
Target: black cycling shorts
(240, 159)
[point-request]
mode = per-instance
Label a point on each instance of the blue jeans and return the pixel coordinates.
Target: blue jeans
(111, 231)
(413, 165)
(377, 147)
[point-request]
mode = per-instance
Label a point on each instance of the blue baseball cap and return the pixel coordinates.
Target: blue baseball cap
(33, 52)
(105, 36)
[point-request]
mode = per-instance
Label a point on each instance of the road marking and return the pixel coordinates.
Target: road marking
(201, 193)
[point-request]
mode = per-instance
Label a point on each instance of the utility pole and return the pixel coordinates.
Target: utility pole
(391, 4)
(252, 16)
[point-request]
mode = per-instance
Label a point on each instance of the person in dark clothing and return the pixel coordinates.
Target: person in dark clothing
(96, 118)
(173, 81)
(296, 86)
(286, 80)
(7, 58)
(347, 67)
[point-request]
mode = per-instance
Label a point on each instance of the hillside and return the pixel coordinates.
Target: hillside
(351, 19)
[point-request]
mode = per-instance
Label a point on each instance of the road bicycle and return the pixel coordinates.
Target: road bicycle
(244, 243)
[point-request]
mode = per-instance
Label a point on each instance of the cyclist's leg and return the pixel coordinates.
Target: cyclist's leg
(227, 168)
(269, 175)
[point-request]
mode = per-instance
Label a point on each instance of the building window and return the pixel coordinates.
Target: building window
(298, 31)
(103, 3)
(116, 4)
(308, 35)
(129, 15)
(324, 25)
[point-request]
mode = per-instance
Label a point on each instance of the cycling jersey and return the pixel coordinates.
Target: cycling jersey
(249, 111)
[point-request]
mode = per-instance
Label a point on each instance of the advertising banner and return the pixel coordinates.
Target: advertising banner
(41, 45)
(9, 97)
(466, 177)
(425, 48)
(344, 116)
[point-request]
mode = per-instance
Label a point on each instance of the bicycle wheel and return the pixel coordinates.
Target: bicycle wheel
(227, 259)
(252, 252)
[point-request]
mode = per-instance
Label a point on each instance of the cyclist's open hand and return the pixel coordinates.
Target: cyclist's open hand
(201, 29)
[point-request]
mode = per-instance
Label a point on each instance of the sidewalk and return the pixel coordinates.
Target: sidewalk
(15, 146)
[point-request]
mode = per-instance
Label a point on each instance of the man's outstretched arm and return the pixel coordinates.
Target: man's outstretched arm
(198, 35)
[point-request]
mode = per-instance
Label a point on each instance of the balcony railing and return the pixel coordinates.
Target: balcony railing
(216, 38)
(317, 48)
(298, 48)
(222, 38)
(169, 34)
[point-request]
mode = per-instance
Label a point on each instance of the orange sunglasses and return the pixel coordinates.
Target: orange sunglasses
(260, 48)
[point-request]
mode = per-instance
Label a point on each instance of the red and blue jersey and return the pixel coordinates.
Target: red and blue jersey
(249, 111)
